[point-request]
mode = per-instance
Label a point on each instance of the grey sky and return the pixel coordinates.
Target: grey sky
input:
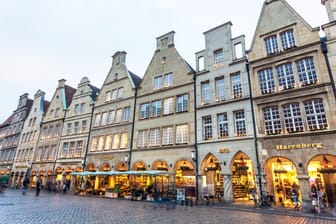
(43, 41)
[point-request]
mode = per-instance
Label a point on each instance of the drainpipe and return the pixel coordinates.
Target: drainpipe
(195, 145)
(88, 138)
(324, 49)
(259, 173)
(132, 132)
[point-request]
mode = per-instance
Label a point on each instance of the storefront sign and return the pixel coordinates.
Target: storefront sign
(299, 146)
(224, 150)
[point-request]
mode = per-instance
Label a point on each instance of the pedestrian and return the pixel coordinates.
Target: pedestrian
(38, 187)
(25, 185)
(3, 182)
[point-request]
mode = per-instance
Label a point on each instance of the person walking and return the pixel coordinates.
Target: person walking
(3, 182)
(38, 186)
(25, 185)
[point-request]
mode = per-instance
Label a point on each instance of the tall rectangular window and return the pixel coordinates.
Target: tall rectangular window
(108, 142)
(76, 110)
(306, 71)
(94, 144)
(220, 90)
(236, 86)
(124, 140)
(206, 92)
(144, 110)
(111, 115)
(287, 39)
(207, 128)
(52, 152)
(76, 127)
(156, 108)
(82, 108)
(84, 125)
(72, 149)
(114, 94)
(104, 119)
(168, 135)
(168, 80)
(218, 56)
(142, 138)
(271, 45)
(266, 81)
(285, 76)
(182, 103)
(316, 115)
(97, 120)
(126, 114)
(223, 127)
(120, 93)
(65, 149)
(79, 149)
(116, 141)
(240, 127)
(154, 137)
(272, 120)
(182, 134)
(108, 96)
(57, 130)
(101, 142)
(292, 117)
(157, 82)
(168, 106)
(118, 115)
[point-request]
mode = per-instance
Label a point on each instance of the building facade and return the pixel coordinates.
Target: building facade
(43, 165)
(164, 128)
(225, 136)
(28, 139)
(75, 134)
(294, 104)
(12, 138)
(112, 125)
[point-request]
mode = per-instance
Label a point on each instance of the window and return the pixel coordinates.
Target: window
(142, 138)
(111, 116)
(79, 149)
(97, 120)
(157, 82)
(116, 141)
(84, 124)
(94, 144)
(167, 136)
(219, 57)
(108, 95)
(285, 76)
(266, 81)
(126, 114)
(292, 117)
(104, 119)
(154, 138)
(120, 93)
(316, 116)
(271, 45)
(306, 71)
(144, 110)
(52, 152)
(236, 86)
(182, 103)
(72, 149)
(108, 142)
(240, 127)
(223, 127)
(272, 120)
(168, 80)
(101, 143)
(182, 135)
(57, 130)
(287, 39)
(114, 94)
(51, 132)
(82, 108)
(76, 110)
(220, 91)
(156, 108)
(34, 121)
(118, 115)
(206, 94)
(76, 127)
(201, 63)
(168, 106)
(124, 140)
(57, 112)
(207, 128)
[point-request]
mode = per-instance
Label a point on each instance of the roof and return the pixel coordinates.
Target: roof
(7, 121)
(69, 92)
(136, 79)
(95, 91)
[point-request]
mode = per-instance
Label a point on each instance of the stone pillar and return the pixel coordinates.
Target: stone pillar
(228, 196)
(305, 192)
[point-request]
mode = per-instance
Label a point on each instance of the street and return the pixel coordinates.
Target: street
(16, 208)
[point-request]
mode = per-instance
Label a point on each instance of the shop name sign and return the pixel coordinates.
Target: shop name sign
(224, 150)
(299, 146)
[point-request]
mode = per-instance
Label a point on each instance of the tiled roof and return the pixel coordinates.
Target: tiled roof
(136, 79)
(69, 92)
(95, 91)
(7, 121)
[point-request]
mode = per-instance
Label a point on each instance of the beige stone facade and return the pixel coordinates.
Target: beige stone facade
(294, 104)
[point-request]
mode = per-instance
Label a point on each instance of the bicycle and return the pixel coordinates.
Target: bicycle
(265, 200)
(295, 201)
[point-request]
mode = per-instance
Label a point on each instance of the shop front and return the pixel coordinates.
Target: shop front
(211, 177)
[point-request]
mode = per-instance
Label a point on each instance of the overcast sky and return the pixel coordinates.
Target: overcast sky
(43, 41)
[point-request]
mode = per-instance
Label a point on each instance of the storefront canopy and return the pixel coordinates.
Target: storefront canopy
(119, 173)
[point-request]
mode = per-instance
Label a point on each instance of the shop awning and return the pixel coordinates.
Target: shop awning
(119, 173)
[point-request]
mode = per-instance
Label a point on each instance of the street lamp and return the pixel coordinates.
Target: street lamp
(126, 158)
(193, 155)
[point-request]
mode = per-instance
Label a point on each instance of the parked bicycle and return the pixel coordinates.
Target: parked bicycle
(295, 200)
(265, 200)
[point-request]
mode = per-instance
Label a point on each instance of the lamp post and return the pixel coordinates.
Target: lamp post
(194, 158)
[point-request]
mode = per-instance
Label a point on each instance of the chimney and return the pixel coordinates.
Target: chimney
(61, 83)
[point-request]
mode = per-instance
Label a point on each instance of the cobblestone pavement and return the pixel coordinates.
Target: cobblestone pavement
(58, 208)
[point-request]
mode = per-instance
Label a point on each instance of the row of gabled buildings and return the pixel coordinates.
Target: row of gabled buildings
(260, 118)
